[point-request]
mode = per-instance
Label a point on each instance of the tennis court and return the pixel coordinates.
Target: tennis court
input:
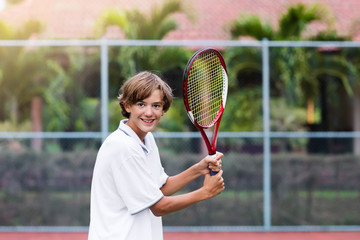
(200, 235)
(290, 132)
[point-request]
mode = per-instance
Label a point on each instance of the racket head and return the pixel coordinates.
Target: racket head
(205, 86)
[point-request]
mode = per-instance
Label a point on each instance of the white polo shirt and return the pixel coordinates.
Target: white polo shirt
(126, 181)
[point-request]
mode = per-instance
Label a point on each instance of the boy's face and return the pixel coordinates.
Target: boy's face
(145, 114)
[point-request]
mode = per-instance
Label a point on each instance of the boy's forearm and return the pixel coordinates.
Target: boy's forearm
(177, 182)
(169, 204)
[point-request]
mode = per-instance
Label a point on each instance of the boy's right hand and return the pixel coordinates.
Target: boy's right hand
(213, 185)
(214, 163)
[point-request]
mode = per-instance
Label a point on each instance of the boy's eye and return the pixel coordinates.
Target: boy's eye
(156, 105)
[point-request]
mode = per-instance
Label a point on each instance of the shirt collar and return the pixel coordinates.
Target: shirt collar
(128, 131)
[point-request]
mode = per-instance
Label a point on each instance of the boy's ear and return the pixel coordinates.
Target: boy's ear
(127, 107)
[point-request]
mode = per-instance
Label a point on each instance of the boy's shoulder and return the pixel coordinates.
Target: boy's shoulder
(119, 137)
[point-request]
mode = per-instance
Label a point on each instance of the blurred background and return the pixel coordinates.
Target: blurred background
(290, 131)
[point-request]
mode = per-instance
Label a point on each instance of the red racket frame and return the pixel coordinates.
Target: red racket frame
(210, 146)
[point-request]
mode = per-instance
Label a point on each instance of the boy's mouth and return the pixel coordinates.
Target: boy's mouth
(148, 120)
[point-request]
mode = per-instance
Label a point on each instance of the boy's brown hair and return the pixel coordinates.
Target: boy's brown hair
(139, 87)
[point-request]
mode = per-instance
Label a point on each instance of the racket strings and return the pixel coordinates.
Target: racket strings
(205, 88)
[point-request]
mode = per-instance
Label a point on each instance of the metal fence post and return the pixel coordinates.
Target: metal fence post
(104, 89)
(266, 129)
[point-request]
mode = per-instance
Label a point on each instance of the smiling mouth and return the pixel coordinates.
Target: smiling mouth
(148, 121)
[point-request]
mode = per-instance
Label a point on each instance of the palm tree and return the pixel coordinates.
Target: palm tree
(292, 73)
(140, 25)
(19, 70)
(155, 25)
(20, 78)
(291, 24)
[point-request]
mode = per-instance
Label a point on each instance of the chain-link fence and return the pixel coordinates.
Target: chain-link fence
(292, 146)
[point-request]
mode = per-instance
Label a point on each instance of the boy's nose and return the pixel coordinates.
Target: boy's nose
(148, 110)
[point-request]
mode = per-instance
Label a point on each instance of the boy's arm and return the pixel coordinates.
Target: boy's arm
(177, 182)
(213, 185)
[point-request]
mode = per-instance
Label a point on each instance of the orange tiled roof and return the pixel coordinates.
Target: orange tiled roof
(74, 19)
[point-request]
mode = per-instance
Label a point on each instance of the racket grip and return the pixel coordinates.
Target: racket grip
(212, 173)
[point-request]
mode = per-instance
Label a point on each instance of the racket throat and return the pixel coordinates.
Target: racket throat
(211, 146)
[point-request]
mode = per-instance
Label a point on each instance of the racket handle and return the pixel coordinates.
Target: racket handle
(212, 173)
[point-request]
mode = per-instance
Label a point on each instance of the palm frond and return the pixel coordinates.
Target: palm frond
(251, 25)
(296, 19)
(110, 18)
(6, 32)
(29, 28)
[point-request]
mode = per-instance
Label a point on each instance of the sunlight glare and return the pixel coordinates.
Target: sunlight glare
(2, 4)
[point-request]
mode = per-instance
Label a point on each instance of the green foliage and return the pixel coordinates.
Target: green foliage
(295, 72)
(29, 28)
(9, 126)
(138, 25)
(20, 78)
(284, 117)
(175, 119)
(14, 1)
(134, 59)
(25, 31)
(240, 60)
(114, 115)
(56, 115)
(293, 23)
(339, 67)
(88, 111)
(251, 25)
(330, 35)
(6, 32)
(55, 187)
(68, 107)
(291, 66)
(243, 111)
(110, 17)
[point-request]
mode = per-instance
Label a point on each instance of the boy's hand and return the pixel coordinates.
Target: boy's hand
(214, 163)
(213, 185)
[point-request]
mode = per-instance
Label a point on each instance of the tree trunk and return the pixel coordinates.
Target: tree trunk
(14, 111)
(310, 111)
(357, 120)
(36, 122)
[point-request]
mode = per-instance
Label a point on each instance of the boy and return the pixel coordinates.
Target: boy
(130, 190)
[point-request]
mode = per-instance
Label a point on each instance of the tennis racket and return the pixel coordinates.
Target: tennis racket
(205, 85)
